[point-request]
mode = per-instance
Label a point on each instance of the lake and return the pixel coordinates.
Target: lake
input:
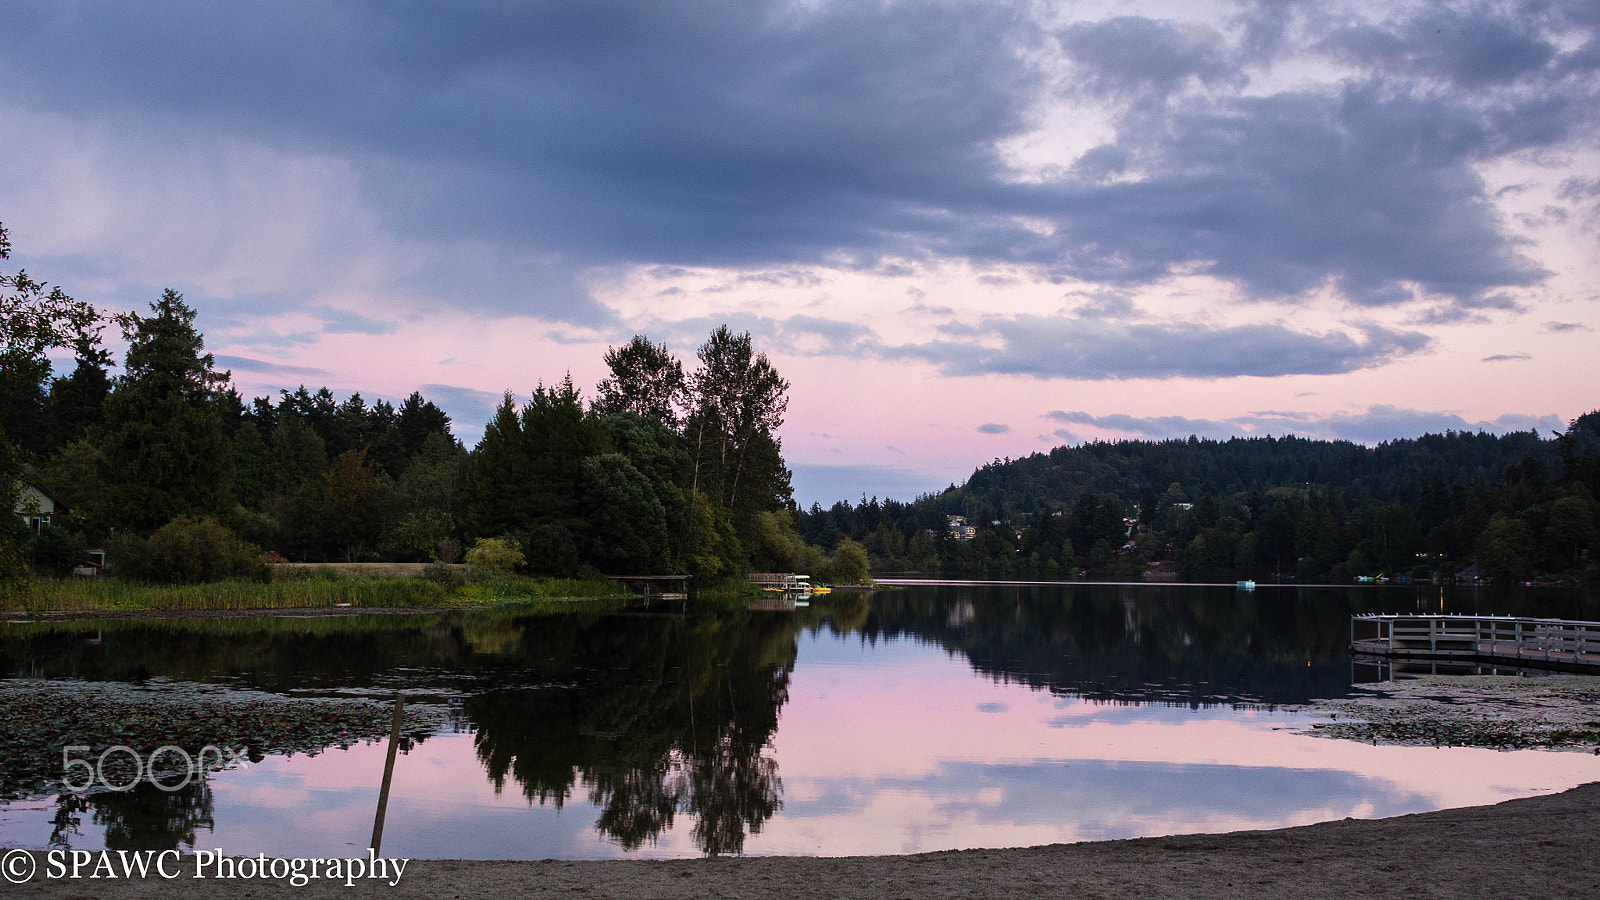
(923, 718)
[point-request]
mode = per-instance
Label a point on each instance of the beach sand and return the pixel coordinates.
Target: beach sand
(1530, 848)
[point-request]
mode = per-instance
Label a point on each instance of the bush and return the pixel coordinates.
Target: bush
(442, 574)
(57, 551)
(495, 554)
(187, 550)
(551, 550)
(849, 563)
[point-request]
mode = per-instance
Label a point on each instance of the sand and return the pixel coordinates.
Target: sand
(1530, 848)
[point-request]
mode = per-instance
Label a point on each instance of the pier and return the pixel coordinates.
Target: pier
(1533, 643)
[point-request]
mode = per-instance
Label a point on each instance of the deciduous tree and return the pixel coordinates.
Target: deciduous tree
(645, 380)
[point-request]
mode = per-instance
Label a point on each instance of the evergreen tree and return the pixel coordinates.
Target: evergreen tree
(418, 418)
(77, 400)
(496, 498)
(164, 452)
(558, 436)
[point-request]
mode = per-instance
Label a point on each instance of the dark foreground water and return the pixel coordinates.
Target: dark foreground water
(926, 718)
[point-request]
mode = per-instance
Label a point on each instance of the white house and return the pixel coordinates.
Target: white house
(36, 507)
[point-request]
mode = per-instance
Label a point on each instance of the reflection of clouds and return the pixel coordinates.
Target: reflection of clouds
(1101, 799)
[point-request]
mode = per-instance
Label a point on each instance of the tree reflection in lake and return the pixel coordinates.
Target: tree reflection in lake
(663, 716)
(141, 818)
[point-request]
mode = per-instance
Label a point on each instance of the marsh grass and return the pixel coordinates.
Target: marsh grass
(308, 589)
(726, 593)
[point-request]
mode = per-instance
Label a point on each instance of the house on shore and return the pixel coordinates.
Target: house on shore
(36, 507)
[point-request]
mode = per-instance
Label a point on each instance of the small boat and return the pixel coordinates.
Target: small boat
(1244, 585)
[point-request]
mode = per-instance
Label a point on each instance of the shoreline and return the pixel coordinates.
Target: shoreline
(18, 617)
(1532, 847)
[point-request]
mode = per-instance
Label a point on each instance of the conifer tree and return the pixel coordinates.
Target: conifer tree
(164, 453)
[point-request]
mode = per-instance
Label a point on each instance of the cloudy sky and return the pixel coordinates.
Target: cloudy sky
(962, 230)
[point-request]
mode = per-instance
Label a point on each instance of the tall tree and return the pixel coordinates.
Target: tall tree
(559, 435)
(353, 517)
(738, 396)
(497, 478)
(164, 452)
(77, 400)
(645, 380)
(419, 418)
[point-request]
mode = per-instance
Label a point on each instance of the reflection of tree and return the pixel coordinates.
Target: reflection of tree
(1164, 644)
(638, 804)
(732, 790)
(663, 716)
(148, 818)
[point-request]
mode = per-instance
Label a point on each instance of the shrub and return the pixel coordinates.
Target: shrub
(187, 550)
(551, 550)
(496, 554)
(849, 563)
(58, 551)
(442, 574)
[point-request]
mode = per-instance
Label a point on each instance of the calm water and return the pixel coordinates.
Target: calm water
(927, 718)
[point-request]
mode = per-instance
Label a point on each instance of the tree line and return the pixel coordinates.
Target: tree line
(666, 470)
(1455, 505)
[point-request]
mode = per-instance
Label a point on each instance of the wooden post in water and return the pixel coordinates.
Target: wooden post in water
(388, 772)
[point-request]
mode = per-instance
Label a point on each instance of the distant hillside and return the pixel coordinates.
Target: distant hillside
(1504, 507)
(1394, 471)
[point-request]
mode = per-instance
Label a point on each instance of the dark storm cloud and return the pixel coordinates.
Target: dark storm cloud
(1130, 56)
(1375, 425)
(560, 135)
(1472, 49)
(1098, 349)
(1286, 193)
(683, 132)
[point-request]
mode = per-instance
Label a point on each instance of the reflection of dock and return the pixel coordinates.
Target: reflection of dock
(788, 601)
(1533, 643)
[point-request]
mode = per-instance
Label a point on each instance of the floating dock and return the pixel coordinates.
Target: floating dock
(1534, 643)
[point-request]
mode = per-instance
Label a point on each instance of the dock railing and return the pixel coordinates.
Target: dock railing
(1546, 643)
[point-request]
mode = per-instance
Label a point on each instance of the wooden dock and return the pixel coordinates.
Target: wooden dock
(1534, 643)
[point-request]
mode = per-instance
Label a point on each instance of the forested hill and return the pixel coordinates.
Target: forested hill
(1392, 472)
(1506, 507)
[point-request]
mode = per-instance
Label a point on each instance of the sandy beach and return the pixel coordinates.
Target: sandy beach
(1530, 848)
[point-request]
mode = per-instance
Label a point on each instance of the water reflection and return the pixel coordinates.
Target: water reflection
(664, 716)
(655, 722)
(141, 818)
